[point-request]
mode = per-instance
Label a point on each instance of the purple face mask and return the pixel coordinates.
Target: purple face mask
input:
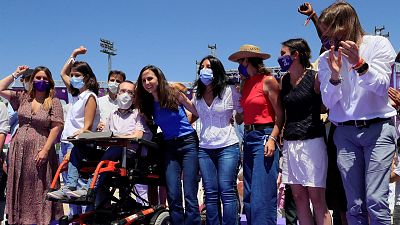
(327, 43)
(285, 62)
(243, 70)
(40, 85)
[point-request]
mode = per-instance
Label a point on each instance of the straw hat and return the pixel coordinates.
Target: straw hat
(248, 51)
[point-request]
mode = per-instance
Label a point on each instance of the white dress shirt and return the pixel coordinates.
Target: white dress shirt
(360, 97)
(106, 107)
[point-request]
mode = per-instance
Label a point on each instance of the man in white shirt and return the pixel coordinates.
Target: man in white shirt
(108, 103)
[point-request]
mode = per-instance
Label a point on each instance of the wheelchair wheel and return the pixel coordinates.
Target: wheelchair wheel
(63, 220)
(160, 218)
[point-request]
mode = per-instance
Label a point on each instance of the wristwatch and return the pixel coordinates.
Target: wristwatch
(335, 82)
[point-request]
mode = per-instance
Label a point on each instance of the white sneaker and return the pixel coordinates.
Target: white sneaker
(77, 193)
(59, 194)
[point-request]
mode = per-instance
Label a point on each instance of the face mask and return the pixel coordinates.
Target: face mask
(206, 76)
(243, 70)
(124, 101)
(285, 62)
(40, 85)
(26, 86)
(113, 87)
(327, 43)
(77, 82)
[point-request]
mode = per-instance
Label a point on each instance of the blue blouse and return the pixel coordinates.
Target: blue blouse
(172, 123)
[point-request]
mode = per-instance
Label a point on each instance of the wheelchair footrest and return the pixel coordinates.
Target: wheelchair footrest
(83, 200)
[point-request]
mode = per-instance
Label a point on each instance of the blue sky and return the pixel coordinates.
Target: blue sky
(170, 34)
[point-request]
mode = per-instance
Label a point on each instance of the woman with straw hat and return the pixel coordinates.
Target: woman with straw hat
(263, 121)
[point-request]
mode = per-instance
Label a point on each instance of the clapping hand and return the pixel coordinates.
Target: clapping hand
(350, 50)
(335, 62)
(394, 95)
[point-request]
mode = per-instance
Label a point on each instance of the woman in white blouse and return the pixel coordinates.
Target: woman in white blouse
(219, 152)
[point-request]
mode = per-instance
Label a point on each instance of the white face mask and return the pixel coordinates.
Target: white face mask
(124, 101)
(113, 87)
(26, 86)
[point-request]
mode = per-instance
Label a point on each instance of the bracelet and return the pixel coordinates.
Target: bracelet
(13, 75)
(309, 18)
(363, 69)
(359, 64)
(312, 14)
(272, 137)
(72, 59)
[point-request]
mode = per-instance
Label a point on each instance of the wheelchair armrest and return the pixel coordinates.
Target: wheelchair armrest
(146, 143)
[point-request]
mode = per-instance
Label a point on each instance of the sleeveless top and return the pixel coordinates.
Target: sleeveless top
(257, 109)
(172, 123)
(303, 108)
(76, 115)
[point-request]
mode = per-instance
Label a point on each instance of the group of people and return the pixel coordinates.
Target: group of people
(351, 82)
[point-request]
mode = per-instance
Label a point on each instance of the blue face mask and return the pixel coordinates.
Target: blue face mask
(206, 76)
(243, 70)
(77, 82)
(285, 62)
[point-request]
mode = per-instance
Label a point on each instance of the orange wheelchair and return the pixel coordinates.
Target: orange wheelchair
(120, 208)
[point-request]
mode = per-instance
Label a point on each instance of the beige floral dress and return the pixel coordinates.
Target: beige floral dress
(26, 184)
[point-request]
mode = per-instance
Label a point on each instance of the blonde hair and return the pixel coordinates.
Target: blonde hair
(341, 18)
(50, 92)
(180, 87)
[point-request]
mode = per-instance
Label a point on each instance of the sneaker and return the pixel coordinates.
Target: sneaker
(59, 194)
(77, 193)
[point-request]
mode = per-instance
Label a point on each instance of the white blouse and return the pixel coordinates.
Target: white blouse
(216, 130)
(76, 114)
(360, 97)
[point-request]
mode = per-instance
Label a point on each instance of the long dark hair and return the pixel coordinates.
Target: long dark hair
(301, 46)
(258, 63)
(167, 96)
(88, 77)
(219, 81)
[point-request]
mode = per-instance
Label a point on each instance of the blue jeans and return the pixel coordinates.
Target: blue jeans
(219, 172)
(74, 164)
(260, 176)
(73, 209)
(181, 161)
(65, 148)
(364, 160)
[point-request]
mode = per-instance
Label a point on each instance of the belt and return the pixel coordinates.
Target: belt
(362, 123)
(181, 138)
(251, 127)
